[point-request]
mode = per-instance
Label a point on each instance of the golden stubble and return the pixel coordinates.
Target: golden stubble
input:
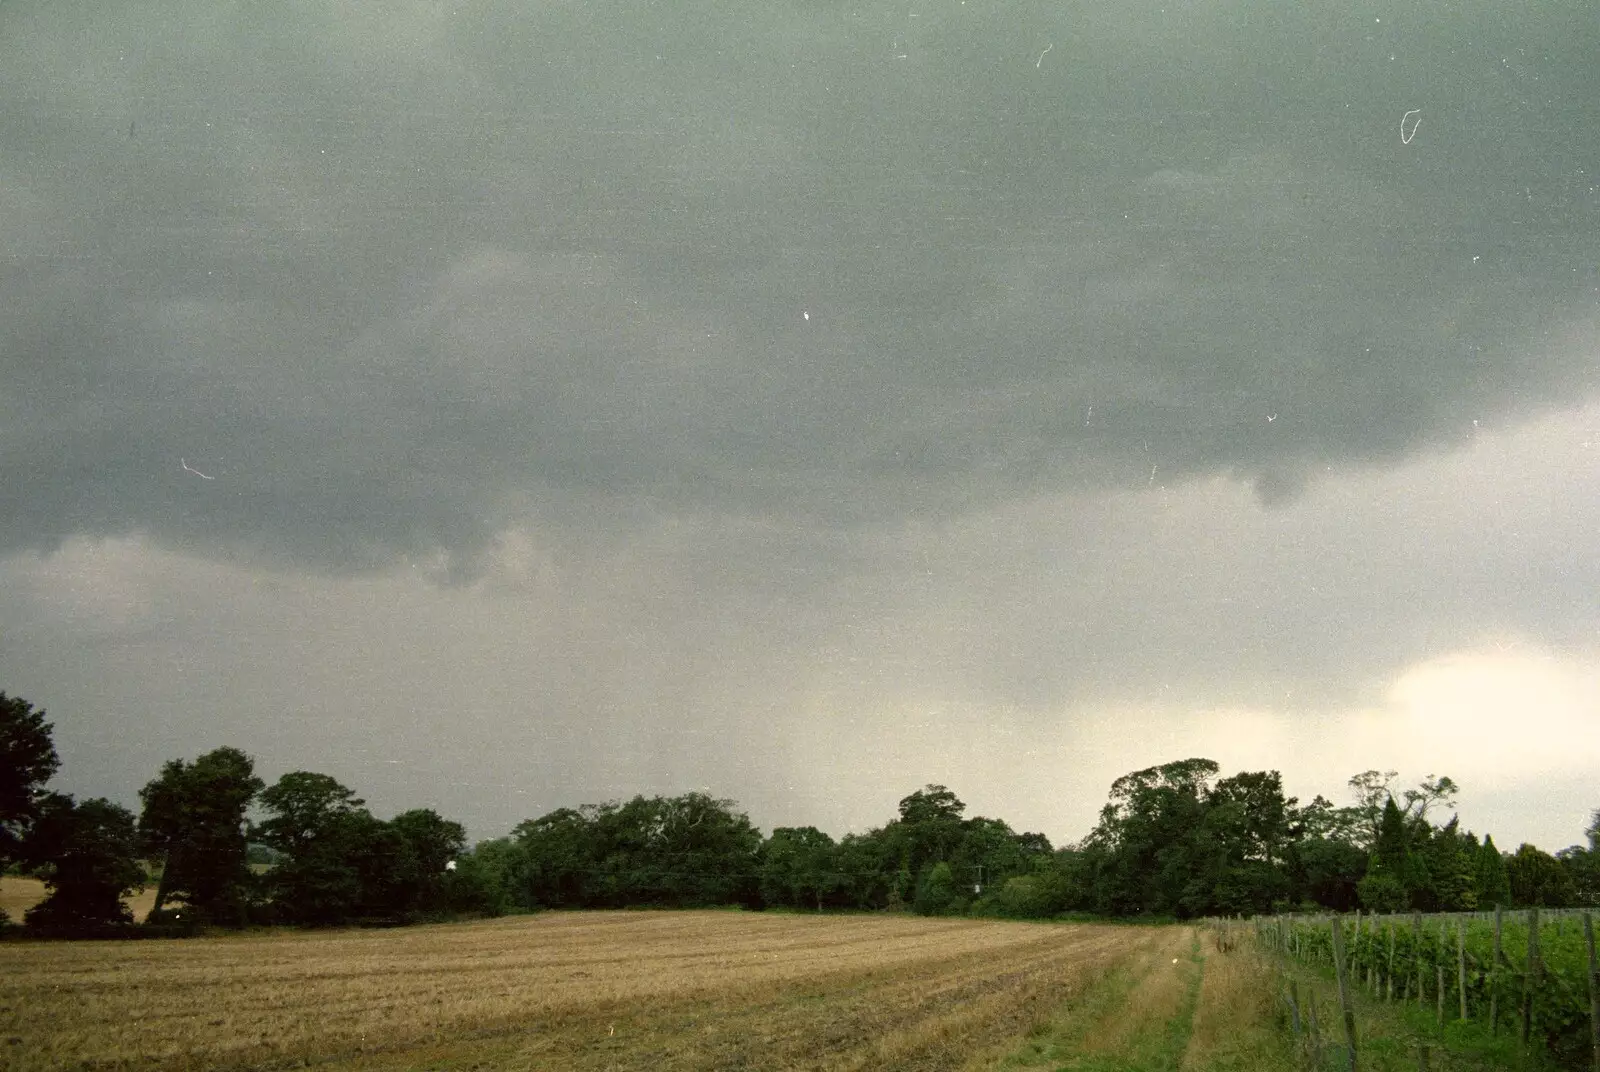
(559, 989)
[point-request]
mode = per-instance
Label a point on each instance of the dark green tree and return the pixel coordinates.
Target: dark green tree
(1052, 886)
(1070, 874)
(88, 856)
(1399, 848)
(341, 864)
(989, 852)
(434, 843)
(1391, 877)
(311, 820)
(1372, 794)
(869, 867)
(929, 827)
(1243, 847)
(1148, 853)
(1450, 856)
(387, 872)
(478, 885)
(27, 761)
(1034, 844)
(1329, 871)
(706, 852)
(1262, 820)
(557, 860)
(1537, 878)
(1320, 820)
(300, 805)
(937, 893)
(798, 868)
(1397, 874)
(687, 850)
(1382, 891)
(1583, 871)
(1489, 879)
(193, 822)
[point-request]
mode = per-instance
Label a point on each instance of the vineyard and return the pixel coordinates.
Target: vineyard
(1532, 974)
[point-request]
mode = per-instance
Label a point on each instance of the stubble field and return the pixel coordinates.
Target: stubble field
(658, 990)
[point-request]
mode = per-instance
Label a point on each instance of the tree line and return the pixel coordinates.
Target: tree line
(1176, 840)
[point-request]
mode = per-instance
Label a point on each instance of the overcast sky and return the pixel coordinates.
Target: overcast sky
(506, 405)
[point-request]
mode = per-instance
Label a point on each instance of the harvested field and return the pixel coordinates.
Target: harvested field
(662, 990)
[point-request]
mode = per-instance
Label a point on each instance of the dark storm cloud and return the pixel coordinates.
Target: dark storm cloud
(396, 276)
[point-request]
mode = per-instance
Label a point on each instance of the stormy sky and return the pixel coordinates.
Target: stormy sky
(506, 405)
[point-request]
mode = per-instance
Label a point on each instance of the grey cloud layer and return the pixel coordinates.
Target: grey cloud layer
(400, 276)
(1026, 654)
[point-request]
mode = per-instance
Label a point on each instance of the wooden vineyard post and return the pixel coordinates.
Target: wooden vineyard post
(1344, 992)
(1371, 953)
(1530, 979)
(1364, 938)
(1594, 992)
(1314, 1030)
(1461, 966)
(1362, 965)
(1438, 971)
(1304, 1025)
(1389, 982)
(1416, 954)
(1376, 947)
(1494, 976)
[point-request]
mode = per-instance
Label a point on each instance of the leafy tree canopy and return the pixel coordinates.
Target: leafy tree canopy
(301, 805)
(194, 820)
(1490, 882)
(87, 854)
(27, 761)
(1537, 878)
(931, 804)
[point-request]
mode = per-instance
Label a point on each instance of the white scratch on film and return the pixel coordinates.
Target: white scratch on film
(1405, 139)
(196, 472)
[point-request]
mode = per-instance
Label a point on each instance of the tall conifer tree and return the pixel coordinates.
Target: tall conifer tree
(1490, 880)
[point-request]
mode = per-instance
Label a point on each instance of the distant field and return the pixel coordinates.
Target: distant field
(17, 895)
(666, 991)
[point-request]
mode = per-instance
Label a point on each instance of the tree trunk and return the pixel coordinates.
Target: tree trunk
(161, 885)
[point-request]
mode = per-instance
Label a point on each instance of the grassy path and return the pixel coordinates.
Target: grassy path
(1137, 1019)
(1182, 1006)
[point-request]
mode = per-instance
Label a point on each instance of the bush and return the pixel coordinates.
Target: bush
(1382, 892)
(937, 894)
(1022, 897)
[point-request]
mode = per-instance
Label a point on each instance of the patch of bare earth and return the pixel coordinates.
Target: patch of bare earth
(665, 990)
